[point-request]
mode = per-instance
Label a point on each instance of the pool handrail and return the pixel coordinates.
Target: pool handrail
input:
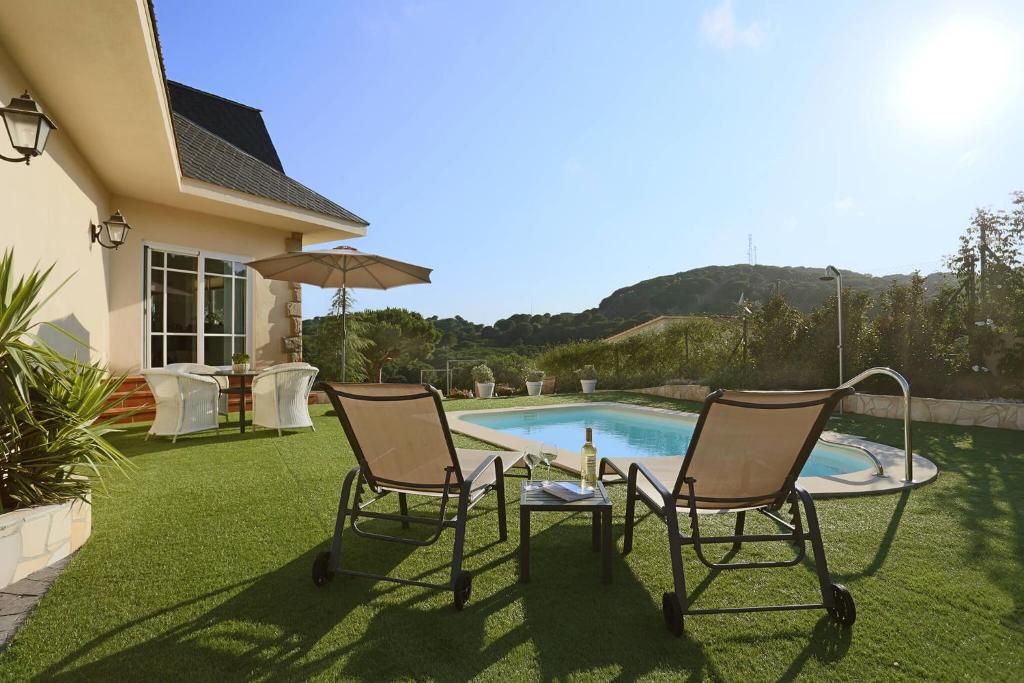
(905, 386)
(879, 469)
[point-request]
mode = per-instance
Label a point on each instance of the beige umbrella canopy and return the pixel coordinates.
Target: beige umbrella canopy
(341, 267)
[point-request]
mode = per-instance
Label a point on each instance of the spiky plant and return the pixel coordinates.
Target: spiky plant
(52, 445)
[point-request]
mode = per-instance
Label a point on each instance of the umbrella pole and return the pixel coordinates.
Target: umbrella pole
(344, 332)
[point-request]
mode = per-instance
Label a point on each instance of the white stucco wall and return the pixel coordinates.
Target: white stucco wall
(154, 223)
(47, 208)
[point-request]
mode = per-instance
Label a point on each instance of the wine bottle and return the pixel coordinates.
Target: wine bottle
(588, 462)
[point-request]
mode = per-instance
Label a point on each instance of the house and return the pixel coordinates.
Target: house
(195, 175)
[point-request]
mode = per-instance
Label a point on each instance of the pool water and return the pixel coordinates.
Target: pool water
(622, 431)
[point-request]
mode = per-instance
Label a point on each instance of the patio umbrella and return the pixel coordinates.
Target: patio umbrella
(341, 267)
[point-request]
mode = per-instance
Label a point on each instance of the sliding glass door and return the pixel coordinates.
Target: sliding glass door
(197, 307)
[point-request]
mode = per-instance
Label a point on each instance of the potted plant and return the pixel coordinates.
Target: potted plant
(484, 380)
(534, 382)
(239, 362)
(53, 445)
(588, 378)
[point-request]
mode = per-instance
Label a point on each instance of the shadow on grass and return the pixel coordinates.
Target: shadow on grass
(132, 441)
(983, 471)
(263, 627)
(884, 545)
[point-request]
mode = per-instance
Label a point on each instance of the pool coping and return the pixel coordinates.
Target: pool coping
(861, 482)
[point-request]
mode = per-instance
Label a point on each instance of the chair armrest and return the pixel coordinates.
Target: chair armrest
(481, 468)
(205, 379)
(634, 468)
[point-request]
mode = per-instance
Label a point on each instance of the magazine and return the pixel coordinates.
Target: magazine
(567, 490)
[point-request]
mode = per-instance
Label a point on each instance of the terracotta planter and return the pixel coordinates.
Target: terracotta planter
(588, 385)
(485, 390)
(36, 537)
(533, 388)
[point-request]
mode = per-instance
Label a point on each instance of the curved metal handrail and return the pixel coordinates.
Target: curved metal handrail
(879, 469)
(905, 386)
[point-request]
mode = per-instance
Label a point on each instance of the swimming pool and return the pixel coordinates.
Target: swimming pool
(621, 430)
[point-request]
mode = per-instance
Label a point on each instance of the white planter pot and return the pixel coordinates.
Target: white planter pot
(588, 385)
(35, 538)
(485, 390)
(533, 388)
(239, 367)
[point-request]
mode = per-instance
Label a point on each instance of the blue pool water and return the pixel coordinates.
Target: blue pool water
(627, 432)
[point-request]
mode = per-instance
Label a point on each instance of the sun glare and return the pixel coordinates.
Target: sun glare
(957, 76)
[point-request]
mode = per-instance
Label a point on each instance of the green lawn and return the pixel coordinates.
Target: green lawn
(199, 568)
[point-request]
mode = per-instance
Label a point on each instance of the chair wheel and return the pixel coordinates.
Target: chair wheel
(673, 613)
(322, 573)
(462, 587)
(843, 610)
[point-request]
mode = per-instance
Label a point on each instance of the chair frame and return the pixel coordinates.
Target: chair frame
(835, 598)
(328, 564)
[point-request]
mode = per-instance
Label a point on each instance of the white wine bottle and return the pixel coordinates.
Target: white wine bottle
(588, 462)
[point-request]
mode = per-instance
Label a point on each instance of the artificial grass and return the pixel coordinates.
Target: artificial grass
(199, 568)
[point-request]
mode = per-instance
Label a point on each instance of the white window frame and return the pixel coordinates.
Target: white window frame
(200, 254)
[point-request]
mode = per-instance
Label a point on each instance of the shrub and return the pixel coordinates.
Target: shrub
(534, 375)
(52, 444)
(482, 374)
(587, 372)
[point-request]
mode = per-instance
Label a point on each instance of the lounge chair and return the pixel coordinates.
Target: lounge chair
(745, 455)
(401, 440)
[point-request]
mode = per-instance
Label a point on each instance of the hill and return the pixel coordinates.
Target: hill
(716, 289)
(713, 289)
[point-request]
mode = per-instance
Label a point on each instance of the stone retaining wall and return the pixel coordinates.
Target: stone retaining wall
(37, 537)
(943, 411)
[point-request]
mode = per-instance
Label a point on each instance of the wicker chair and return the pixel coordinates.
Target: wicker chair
(185, 402)
(201, 369)
(280, 396)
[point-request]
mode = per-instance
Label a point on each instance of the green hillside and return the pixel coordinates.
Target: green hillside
(716, 289)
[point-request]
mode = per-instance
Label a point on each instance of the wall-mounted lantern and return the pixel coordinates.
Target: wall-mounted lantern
(114, 230)
(27, 127)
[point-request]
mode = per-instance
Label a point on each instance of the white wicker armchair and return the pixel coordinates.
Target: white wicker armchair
(280, 396)
(185, 403)
(201, 369)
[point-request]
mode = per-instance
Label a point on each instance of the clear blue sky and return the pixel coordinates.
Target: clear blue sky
(539, 155)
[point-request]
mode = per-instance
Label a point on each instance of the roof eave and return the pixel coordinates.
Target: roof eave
(316, 228)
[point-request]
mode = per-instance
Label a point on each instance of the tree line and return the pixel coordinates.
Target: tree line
(953, 334)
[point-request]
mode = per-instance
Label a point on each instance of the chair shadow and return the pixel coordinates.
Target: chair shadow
(265, 629)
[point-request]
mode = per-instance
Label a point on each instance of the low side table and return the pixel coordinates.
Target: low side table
(600, 507)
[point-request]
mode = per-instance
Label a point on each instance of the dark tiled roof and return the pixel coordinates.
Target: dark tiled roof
(208, 157)
(239, 124)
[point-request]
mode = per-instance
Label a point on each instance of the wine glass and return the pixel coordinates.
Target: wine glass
(546, 455)
(541, 454)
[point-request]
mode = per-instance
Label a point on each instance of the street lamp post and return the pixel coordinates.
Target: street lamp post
(832, 273)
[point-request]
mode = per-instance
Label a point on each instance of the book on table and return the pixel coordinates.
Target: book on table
(567, 490)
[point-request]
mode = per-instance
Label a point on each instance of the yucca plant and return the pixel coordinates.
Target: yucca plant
(52, 446)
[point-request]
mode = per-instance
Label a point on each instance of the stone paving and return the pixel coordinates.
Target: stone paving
(18, 599)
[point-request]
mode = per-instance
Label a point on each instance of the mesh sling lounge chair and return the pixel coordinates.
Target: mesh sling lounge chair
(746, 453)
(401, 440)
